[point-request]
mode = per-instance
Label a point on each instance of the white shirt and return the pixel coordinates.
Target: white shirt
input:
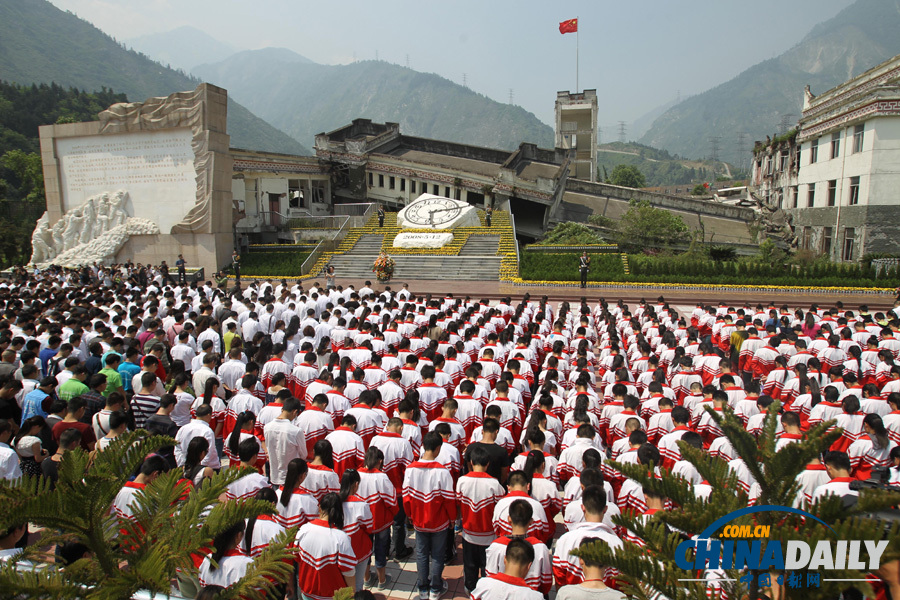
(285, 442)
(196, 428)
(9, 463)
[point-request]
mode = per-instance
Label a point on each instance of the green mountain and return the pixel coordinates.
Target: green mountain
(182, 48)
(658, 166)
(856, 39)
(304, 99)
(41, 44)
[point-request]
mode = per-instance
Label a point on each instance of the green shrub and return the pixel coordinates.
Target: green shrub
(273, 264)
(570, 233)
(544, 266)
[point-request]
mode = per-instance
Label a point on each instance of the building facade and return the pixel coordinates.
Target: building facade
(576, 129)
(838, 175)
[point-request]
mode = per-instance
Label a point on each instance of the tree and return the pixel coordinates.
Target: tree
(27, 168)
(167, 530)
(627, 176)
(570, 234)
(643, 225)
(651, 571)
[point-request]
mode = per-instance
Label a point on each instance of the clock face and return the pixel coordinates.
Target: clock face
(419, 212)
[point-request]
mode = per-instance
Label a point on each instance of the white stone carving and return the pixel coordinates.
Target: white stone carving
(93, 232)
(436, 212)
(422, 240)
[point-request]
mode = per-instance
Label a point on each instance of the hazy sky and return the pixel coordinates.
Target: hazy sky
(637, 54)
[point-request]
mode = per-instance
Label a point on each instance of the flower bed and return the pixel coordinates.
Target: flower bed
(273, 264)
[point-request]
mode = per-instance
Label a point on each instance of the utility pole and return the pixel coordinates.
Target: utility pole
(714, 147)
(622, 131)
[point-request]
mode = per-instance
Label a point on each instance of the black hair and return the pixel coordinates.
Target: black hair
(224, 542)
(325, 452)
(348, 480)
(265, 494)
(193, 456)
(234, 440)
(331, 505)
(296, 471)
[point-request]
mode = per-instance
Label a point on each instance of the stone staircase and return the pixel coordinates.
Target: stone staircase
(476, 260)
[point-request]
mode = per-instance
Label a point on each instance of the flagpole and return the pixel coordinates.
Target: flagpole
(577, 27)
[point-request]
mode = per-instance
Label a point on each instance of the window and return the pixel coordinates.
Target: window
(381, 181)
(783, 160)
(392, 182)
(854, 191)
(832, 192)
(402, 185)
(813, 151)
(827, 233)
(769, 166)
(795, 197)
(805, 242)
(811, 196)
(858, 138)
(849, 236)
(835, 144)
(446, 191)
(436, 189)
(371, 180)
(412, 186)
(458, 193)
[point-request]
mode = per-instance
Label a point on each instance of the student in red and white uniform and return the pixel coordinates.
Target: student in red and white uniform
(871, 449)
(398, 454)
(319, 385)
(518, 485)
(566, 567)
(431, 395)
(813, 476)
(245, 428)
(430, 502)
(448, 416)
(321, 478)
(543, 489)
(347, 447)
(338, 403)
(303, 374)
(540, 576)
(502, 437)
(617, 421)
(151, 468)
(358, 523)
(284, 440)
(314, 422)
(448, 456)
(274, 366)
(377, 490)
(295, 505)
(228, 564)
(892, 419)
(263, 529)
(470, 412)
(838, 466)
(477, 493)
(412, 419)
(661, 423)
(511, 583)
(248, 485)
(792, 433)
(369, 420)
(570, 459)
(391, 392)
(534, 440)
(324, 552)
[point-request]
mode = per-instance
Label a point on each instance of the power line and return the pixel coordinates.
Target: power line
(622, 131)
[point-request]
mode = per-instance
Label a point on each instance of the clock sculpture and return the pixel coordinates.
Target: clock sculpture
(436, 212)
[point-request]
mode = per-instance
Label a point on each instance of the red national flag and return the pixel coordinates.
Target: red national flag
(570, 26)
(706, 185)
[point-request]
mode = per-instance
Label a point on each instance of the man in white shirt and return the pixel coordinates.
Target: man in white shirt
(197, 427)
(284, 440)
(9, 460)
(837, 464)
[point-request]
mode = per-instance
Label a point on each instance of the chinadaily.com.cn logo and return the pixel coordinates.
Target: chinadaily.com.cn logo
(740, 547)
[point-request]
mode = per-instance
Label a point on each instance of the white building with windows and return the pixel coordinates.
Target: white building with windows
(839, 177)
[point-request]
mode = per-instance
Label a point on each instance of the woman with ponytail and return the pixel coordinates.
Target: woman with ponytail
(321, 478)
(227, 564)
(358, 523)
(217, 422)
(244, 428)
(295, 505)
(542, 489)
(871, 449)
(262, 529)
(376, 490)
(326, 562)
(193, 468)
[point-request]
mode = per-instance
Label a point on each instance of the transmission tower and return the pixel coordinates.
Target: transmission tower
(714, 147)
(739, 149)
(510, 95)
(622, 131)
(785, 123)
(407, 61)
(465, 84)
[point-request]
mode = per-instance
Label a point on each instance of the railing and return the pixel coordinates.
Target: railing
(328, 245)
(272, 219)
(512, 223)
(325, 222)
(356, 209)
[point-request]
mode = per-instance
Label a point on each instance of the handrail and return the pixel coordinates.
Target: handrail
(353, 209)
(512, 223)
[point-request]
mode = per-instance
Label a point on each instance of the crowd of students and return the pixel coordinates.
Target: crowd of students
(477, 424)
